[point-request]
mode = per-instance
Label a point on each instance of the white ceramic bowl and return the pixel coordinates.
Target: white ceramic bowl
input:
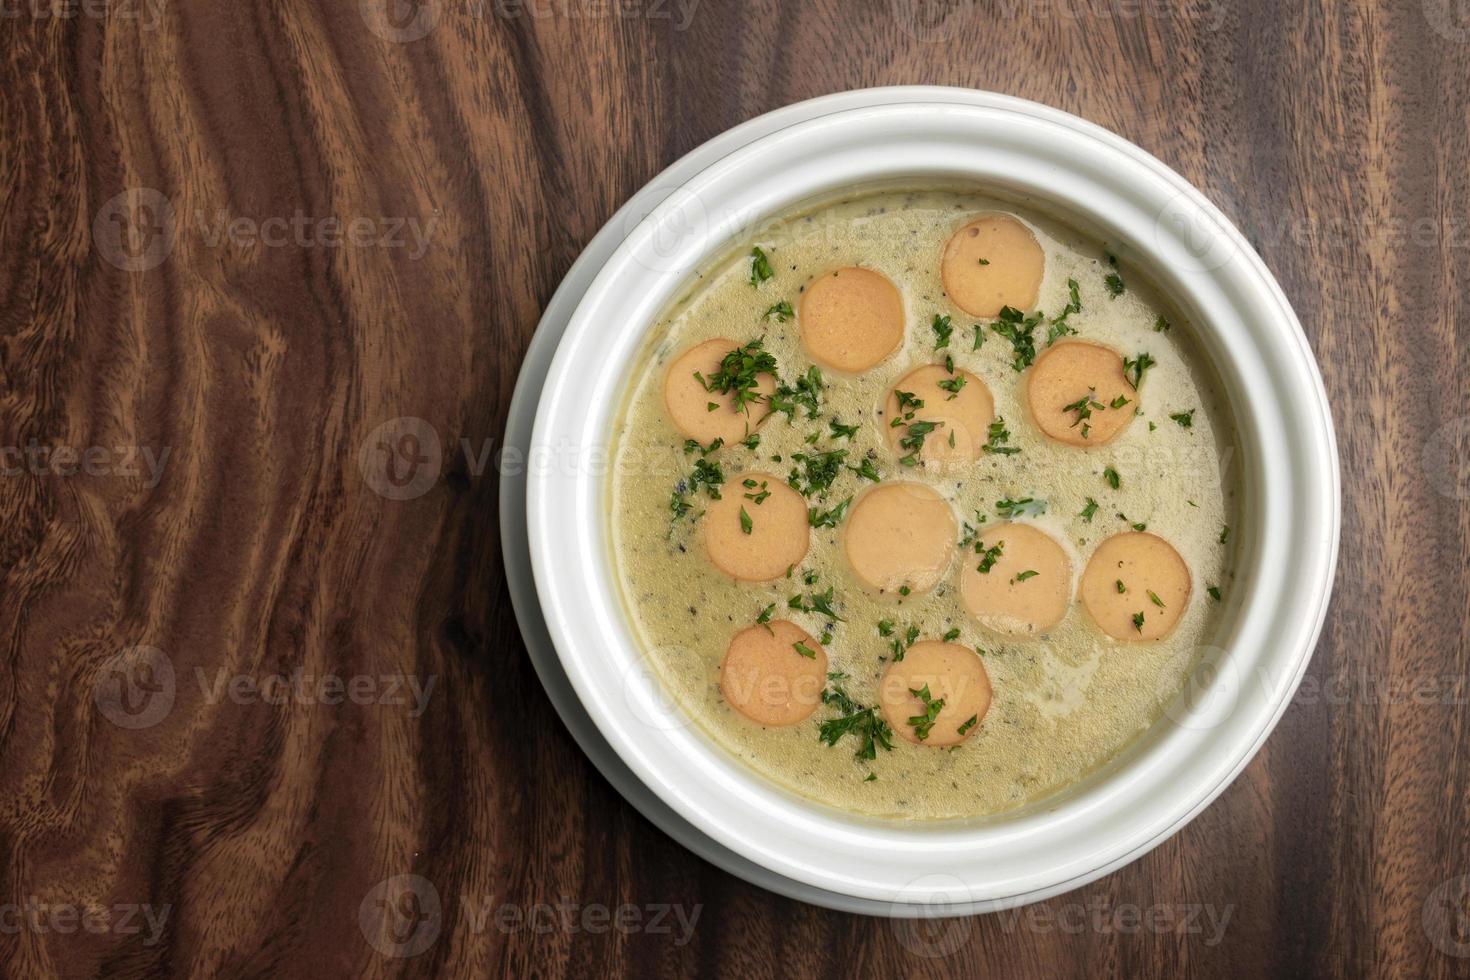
(1286, 544)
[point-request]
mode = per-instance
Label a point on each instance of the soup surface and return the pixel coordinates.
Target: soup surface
(902, 542)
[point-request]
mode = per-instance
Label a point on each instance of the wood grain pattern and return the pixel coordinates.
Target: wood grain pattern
(261, 359)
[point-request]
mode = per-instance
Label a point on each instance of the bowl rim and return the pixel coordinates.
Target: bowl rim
(814, 846)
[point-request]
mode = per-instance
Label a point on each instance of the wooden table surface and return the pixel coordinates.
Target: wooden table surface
(236, 238)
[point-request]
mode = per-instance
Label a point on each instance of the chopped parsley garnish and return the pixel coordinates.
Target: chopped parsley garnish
(923, 724)
(817, 602)
(782, 312)
(815, 471)
(1138, 621)
(983, 261)
(999, 436)
(1214, 592)
(1087, 512)
(942, 329)
(746, 524)
(914, 440)
(1186, 419)
(1118, 402)
(979, 341)
(806, 393)
(1161, 325)
(953, 386)
(969, 724)
(765, 616)
(1084, 408)
(828, 518)
(1134, 367)
(885, 627)
(1111, 475)
(840, 431)
(760, 266)
(1023, 576)
(1225, 534)
(1121, 587)
(989, 556)
(901, 644)
(866, 470)
(952, 635)
(1154, 598)
(853, 719)
(1020, 330)
(804, 650)
(691, 446)
(679, 505)
(1025, 507)
(1114, 284)
(738, 372)
(751, 442)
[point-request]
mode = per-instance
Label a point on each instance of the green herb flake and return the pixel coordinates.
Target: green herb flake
(1185, 419)
(942, 329)
(863, 723)
(781, 312)
(1028, 573)
(1214, 592)
(1087, 512)
(828, 518)
(989, 556)
(1134, 368)
(746, 524)
(760, 266)
(970, 723)
(804, 650)
(1138, 621)
(999, 436)
(1112, 478)
(924, 724)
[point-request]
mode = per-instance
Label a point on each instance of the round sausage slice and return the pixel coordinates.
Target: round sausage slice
(953, 674)
(900, 535)
(993, 261)
(1078, 394)
(1136, 586)
(757, 529)
(960, 404)
(1028, 583)
(771, 680)
(850, 319)
(688, 401)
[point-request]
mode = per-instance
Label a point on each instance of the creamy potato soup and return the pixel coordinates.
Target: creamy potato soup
(922, 503)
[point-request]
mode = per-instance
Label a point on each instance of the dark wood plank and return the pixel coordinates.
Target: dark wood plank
(1334, 134)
